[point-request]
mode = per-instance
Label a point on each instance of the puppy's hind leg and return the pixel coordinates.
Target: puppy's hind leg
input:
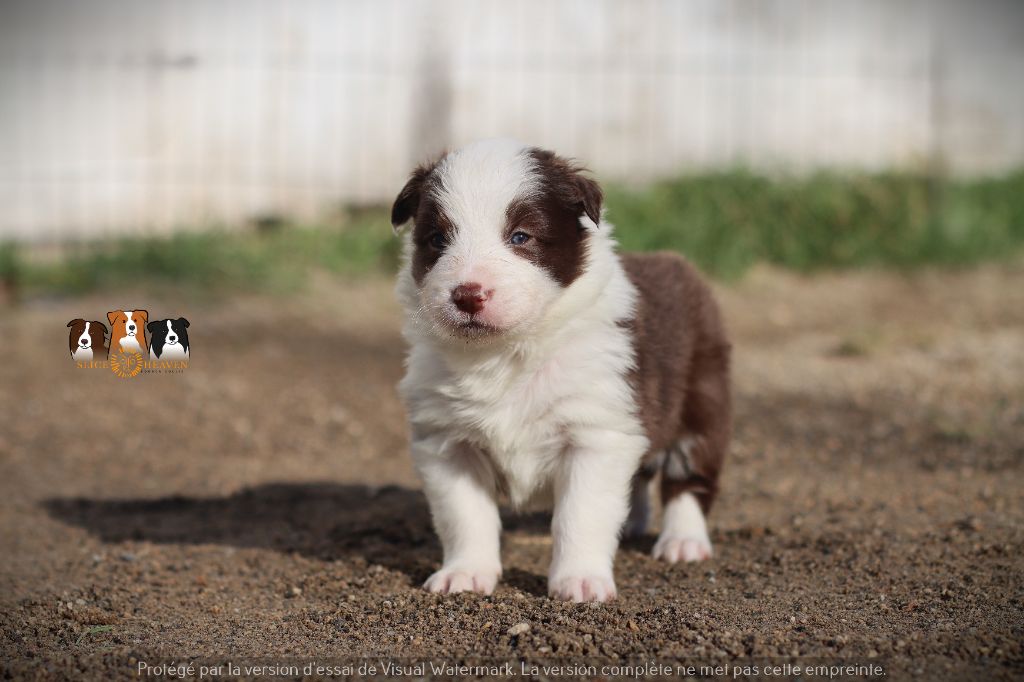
(640, 498)
(690, 472)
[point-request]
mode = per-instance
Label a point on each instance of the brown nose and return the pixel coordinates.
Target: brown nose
(469, 298)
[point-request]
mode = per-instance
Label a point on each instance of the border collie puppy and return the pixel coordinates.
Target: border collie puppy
(544, 366)
(168, 339)
(128, 331)
(87, 340)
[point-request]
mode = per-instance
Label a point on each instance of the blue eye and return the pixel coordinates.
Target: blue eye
(518, 238)
(438, 240)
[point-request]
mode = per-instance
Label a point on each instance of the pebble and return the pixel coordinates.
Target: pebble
(518, 629)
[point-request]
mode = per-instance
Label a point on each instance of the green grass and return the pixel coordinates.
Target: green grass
(215, 261)
(725, 222)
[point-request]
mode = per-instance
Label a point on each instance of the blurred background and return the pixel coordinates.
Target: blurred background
(800, 132)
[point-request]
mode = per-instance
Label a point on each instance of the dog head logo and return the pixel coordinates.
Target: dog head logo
(87, 340)
(128, 331)
(168, 339)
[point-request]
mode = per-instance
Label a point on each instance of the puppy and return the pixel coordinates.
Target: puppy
(169, 339)
(545, 366)
(128, 331)
(87, 340)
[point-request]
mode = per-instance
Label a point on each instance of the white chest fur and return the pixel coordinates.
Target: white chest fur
(130, 343)
(175, 352)
(525, 405)
(82, 354)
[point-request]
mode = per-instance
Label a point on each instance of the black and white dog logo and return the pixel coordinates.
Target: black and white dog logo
(168, 339)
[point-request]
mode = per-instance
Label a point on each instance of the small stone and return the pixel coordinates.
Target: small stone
(293, 592)
(518, 629)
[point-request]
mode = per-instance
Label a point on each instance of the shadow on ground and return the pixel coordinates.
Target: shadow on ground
(388, 525)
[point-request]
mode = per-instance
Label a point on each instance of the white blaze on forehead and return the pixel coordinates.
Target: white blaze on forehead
(477, 183)
(170, 330)
(85, 334)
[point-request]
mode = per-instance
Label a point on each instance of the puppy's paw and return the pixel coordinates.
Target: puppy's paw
(453, 579)
(583, 588)
(674, 548)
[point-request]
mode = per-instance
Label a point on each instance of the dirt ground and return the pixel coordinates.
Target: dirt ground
(261, 506)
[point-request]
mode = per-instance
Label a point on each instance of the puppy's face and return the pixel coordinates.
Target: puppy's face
(171, 332)
(85, 335)
(130, 323)
(497, 237)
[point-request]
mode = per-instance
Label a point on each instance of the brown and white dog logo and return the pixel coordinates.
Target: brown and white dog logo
(128, 331)
(87, 340)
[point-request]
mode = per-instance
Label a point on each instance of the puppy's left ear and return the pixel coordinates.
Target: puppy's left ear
(101, 326)
(590, 196)
(408, 200)
(566, 180)
(183, 321)
(144, 314)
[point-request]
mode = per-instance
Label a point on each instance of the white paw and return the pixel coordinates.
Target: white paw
(583, 588)
(451, 580)
(673, 548)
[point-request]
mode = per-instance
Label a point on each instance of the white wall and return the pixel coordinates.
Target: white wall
(126, 116)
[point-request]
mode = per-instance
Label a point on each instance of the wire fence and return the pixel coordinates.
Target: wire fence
(124, 117)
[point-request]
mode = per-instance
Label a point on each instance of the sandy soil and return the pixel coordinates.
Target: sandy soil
(261, 505)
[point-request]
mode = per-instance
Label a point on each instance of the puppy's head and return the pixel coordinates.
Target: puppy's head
(85, 335)
(500, 231)
(130, 323)
(171, 332)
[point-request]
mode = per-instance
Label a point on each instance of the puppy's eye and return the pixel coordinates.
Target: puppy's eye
(518, 238)
(438, 240)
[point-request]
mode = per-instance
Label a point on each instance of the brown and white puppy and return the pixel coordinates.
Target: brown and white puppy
(544, 365)
(87, 340)
(128, 331)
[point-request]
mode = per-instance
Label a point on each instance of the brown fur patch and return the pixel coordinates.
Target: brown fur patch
(681, 380)
(414, 203)
(551, 217)
(430, 221)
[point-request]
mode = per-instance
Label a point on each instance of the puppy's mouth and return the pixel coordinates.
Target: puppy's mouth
(84, 345)
(472, 327)
(129, 333)
(171, 342)
(476, 328)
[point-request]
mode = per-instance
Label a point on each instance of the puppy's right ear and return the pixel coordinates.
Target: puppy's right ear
(112, 316)
(408, 200)
(73, 322)
(151, 326)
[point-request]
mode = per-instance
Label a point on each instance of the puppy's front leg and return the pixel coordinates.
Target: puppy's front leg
(462, 503)
(592, 486)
